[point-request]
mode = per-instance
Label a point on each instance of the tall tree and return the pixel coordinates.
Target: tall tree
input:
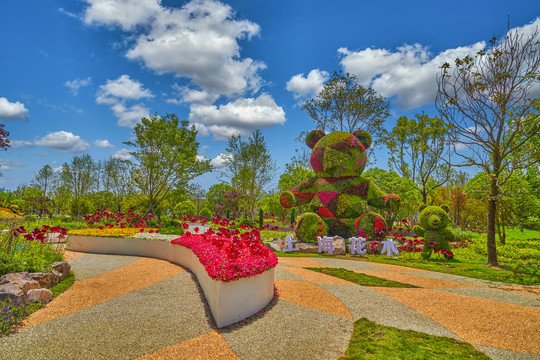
(345, 105)
(44, 178)
(485, 101)
(117, 179)
(79, 177)
(249, 166)
(4, 141)
(416, 147)
(166, 157)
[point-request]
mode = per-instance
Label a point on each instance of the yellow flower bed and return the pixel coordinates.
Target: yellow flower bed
(6, 213)
(106, 232)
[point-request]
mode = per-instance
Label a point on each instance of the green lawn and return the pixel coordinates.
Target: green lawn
(374, 341)
(360, 279)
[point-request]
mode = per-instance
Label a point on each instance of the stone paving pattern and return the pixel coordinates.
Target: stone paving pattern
(124, 307)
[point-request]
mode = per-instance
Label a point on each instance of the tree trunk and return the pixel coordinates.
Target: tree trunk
(492, 214)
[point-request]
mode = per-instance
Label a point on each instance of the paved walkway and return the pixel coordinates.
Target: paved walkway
(124, 307)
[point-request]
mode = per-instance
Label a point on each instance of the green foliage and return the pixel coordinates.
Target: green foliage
(206, 213)
(185, 208)
(378, 342)
(165, 151)
(293, 217)
(261, 218)
(8, 264)
(345, 105)
(250, 168)
(360, 279)
(415, 147)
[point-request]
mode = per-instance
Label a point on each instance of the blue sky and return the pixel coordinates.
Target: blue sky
(75, 76)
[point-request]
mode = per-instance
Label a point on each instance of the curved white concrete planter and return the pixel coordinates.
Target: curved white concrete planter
(229, 302)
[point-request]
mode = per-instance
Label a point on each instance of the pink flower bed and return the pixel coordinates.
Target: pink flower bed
(228, 255)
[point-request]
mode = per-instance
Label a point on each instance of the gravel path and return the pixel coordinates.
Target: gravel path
(125, 307)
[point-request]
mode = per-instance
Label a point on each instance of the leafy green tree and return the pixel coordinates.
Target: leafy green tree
(345, 105)
(216, 197)
(249, 166)
(4, 141)
(270, 204)
(415, 147)
(78, 177)
(118, 180)
(486, 103)
(43, 178)
(391, 183)
(165, 157)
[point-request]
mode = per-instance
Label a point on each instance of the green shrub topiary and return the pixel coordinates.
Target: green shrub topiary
(338, 194)
(310, 226)
(433, 223)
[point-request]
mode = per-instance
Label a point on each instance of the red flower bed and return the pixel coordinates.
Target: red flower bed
(228, 255)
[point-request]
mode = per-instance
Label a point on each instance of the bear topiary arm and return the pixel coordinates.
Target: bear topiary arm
(418, 230)
(378, 199)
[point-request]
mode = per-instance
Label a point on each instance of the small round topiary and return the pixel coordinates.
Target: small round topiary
(309, 227)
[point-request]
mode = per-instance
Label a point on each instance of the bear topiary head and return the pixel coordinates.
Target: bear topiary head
(339, 153)
(434, 217)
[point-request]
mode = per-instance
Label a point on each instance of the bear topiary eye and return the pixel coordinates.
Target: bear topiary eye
(313, 137)
(364, 137)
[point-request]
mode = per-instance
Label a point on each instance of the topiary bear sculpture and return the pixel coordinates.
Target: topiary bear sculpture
(433, 223)
(338, 195)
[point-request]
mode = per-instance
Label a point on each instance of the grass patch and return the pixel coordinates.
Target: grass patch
(360, 279)
(372, 341)
(517, 274)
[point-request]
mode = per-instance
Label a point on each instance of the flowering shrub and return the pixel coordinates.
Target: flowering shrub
(229, 255)
(115, 219)
(110, 232)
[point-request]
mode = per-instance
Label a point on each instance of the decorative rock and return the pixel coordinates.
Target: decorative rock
(22, 280)
(308, 247)
(39, 295)
(339, 245)
(276, 245)
(46, 280)
(9, 291)
(62, 268)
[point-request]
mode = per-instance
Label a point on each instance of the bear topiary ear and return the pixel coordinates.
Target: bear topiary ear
(445, 207)
(364, 137)
(422, 207)
(313, 137)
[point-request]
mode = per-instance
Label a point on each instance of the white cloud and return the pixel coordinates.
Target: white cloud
(188, 95)
(12, 111)
(123, 88)
(240, 116)
(219, 161)
(408, 73)
(124, 13)
(122, 154)
(103, 144)
(307, 87)
(128, 117)
(116, 92)
(8, 164)
(75, 85)
(70, 14)
(197, 41)
(63, 141)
